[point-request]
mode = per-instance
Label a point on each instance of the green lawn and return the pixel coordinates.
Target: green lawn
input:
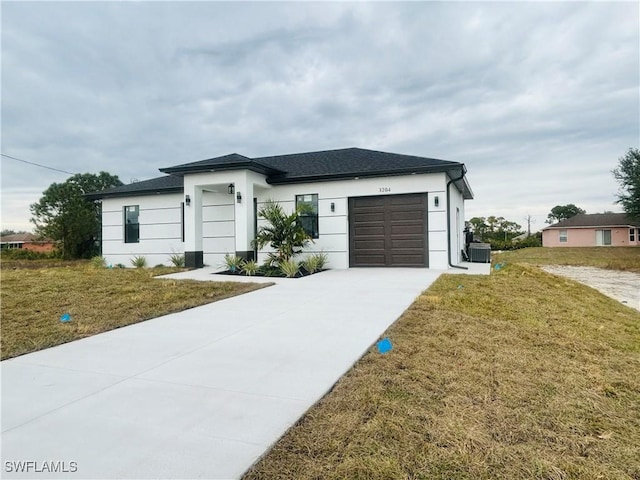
(615, 258)
(33, 300)
(518, 375)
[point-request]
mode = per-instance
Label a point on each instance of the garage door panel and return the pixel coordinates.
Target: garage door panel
(388, 230)
(369, 217)
(405, 199)
(365, 230)
(407, 260)
(401, 229)
(372, 245)
(368, 202)
(413, 216)
(370, 260)
(412, 243)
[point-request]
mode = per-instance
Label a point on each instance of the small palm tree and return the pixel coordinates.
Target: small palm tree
(284, 233)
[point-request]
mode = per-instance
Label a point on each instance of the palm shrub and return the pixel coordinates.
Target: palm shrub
(289, 268)
(139, 261)
(177, 260)
(249, 267)
(310, 264)
(322, 259)
(284, 233)
(233, 262)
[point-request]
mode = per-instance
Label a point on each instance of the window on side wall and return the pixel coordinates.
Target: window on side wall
(131, 224)
(632, 234)
(563, 236)
(308, 206)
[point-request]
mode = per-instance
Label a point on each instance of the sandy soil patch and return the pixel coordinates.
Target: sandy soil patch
(623, 286)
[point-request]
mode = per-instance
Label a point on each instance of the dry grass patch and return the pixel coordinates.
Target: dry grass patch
(614, 258)
(518, 375)
(98, 300)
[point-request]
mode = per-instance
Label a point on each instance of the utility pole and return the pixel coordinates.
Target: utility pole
(528, 219)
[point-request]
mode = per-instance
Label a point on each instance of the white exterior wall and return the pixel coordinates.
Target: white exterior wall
(216, 224)
(334, 226)
(160, 229)
(457, 227)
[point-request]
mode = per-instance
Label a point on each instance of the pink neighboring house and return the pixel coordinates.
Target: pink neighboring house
(593, 230)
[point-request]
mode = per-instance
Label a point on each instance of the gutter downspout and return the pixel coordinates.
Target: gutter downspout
(464, 169)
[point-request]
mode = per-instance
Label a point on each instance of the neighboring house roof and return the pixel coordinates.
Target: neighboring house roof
(596, 220)
(23, 238)
(301, 167)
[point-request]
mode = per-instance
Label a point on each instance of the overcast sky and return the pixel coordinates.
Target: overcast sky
(539, 100)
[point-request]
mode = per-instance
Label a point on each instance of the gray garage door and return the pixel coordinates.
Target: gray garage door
(388, 231)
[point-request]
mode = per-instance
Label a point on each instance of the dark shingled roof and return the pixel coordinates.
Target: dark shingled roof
(301, 167)
(232, 161)
(585, 220)
(165, 184)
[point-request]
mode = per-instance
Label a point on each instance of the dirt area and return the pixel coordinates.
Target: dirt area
(623, 286)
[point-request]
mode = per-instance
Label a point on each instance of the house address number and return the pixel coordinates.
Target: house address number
(385, 189)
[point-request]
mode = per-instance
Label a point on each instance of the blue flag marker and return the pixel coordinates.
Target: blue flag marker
(65, 318)
(384, 345)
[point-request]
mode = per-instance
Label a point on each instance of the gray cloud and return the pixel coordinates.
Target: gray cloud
(538, 99)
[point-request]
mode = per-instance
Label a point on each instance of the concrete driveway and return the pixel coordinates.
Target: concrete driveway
(198, 394)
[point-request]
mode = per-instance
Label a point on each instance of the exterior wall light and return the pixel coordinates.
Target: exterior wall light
(187, 200)
(436, 201)
(230, 189)
(239, 197)
(333, 207)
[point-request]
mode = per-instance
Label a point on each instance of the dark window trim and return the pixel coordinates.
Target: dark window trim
(131, 230)
(314, 229)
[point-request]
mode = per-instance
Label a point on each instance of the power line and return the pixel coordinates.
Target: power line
(36, 164)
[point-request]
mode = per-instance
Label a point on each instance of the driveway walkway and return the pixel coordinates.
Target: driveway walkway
(198, 394)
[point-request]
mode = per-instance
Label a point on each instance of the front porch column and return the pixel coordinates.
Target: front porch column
(193, 253)
(244, 218)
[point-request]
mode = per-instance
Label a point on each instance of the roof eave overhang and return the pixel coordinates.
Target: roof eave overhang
(252, 166)
(281, 180)
(135, 193)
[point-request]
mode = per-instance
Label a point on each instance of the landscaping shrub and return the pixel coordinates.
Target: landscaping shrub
(249, 267)
(289, 268)
(310, 264)
(177, 260)
(283, 233)
(233, 263)
(139, 261)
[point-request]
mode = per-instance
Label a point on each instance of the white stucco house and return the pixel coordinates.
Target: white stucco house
(367, 209)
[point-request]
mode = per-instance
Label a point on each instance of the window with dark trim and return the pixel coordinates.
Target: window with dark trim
(308, 207)
(131, 224)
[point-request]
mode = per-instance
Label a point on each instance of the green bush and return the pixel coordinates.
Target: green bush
(139, 261)
(24, 254)
(322, 259)
(284, 233)
(249, 267)
(310, 264)
(177, 260)
(233, 263)
(289, 268)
